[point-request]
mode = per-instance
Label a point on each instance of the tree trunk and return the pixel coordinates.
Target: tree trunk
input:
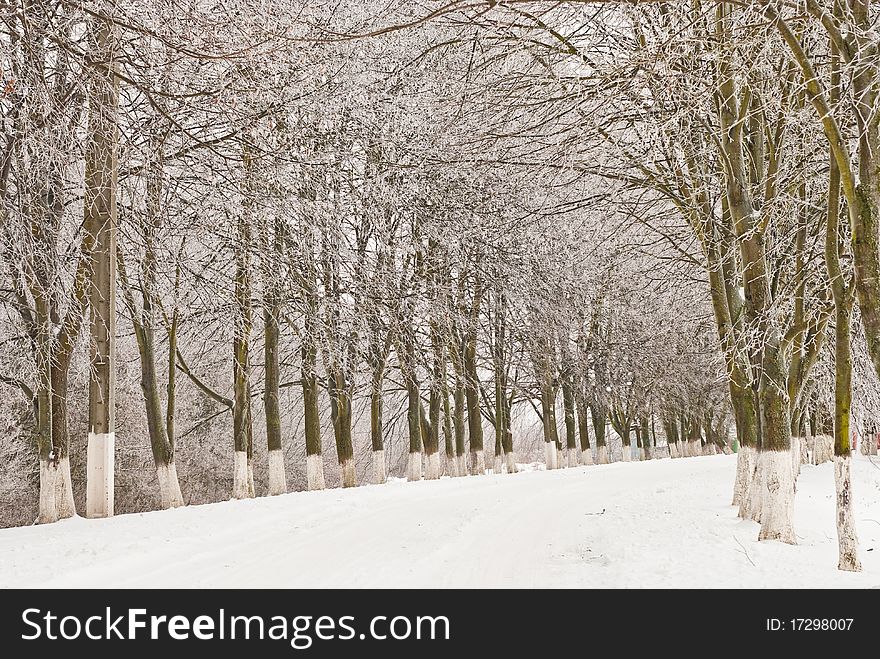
(746, 419)
(53, 440)
(645, 432)
(568, 405)
(337, 350)
(694, 447)
(670, 430)
(340, 416)
(413, 418)
(498, 453)
(599, 416)
(311, 414)
(48, 507)
(377, 441)
(242, 422)
(309, 359)
(101, 171)
(507, 443)
(847, 539)
(277, 478)
(432, 443)
(472, 397)
(163, 451)
(378, 353)
(584, 430)
(448, 438)
(271, 335)
(621, 423)
(776, 470)
(548, 417)
(64, 503)
(458, 426)
(471, 379)
(241, 412)
(435, 400)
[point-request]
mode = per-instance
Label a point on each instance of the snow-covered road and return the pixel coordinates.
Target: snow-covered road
(666, 523)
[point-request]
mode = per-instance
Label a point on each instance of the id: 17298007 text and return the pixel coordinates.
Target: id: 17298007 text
(809, 624)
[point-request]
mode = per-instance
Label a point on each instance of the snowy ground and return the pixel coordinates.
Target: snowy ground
(666, 523)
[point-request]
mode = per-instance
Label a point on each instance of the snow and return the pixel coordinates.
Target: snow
(666, 523)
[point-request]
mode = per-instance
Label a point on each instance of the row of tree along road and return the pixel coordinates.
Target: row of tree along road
(412, 229)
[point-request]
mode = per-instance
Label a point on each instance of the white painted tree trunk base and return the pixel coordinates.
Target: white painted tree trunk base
(414, 468)
(673, 450)
(572, 457)
(462, 465)
(602, 455)
(99, 474)
(847, 539)
(315, 472)
(627, 454)
(777, 489)
(497, 465)
(642, 454)
(510, 460)
(587, 457)
(277, 478)
(48, 511)
(681, 449)
(240, 489)
(796, 455)
(64, 490)
(380, 475)
(170, 495)
(250, 476)
(432, 466)
(753, 498)
(349, 475)
(740, 482)
(550, 455)
(479, 463)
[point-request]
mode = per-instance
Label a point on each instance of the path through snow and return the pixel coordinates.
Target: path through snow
(666, 524)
